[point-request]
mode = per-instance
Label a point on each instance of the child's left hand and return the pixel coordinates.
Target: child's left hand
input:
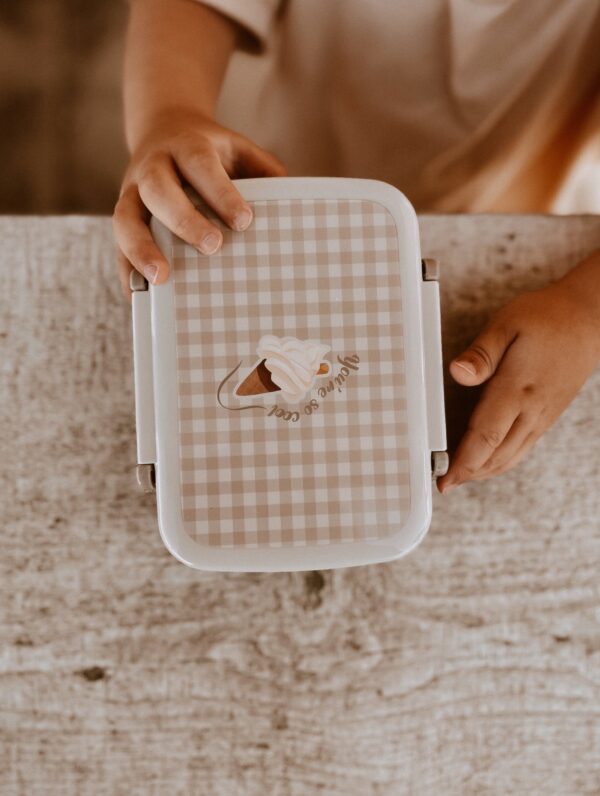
(537, 351)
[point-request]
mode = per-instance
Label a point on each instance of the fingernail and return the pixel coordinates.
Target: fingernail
(151, 272)
(242, 220)
(449, 484)
(211, 243)
(466, 365)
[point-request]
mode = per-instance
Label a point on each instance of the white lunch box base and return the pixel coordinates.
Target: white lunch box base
(289, 391)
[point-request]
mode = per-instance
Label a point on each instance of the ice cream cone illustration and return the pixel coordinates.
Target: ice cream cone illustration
(286, 365)
(257, 381)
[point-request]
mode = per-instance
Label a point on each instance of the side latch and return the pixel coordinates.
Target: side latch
(142, 375)
(434, 368)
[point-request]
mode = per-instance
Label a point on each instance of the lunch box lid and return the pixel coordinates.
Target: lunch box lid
(289, 387)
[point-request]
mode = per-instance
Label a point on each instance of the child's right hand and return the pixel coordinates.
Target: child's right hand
(183, 146)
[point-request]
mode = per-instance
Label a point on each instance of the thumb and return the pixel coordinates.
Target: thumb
(479, 361)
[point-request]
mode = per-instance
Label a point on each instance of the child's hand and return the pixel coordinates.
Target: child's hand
(188, 146)
(537, 352)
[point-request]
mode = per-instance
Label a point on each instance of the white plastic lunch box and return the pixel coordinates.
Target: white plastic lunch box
(288, 389)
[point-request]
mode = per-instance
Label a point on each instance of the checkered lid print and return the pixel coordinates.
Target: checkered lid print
(292, 409)
(288, 382)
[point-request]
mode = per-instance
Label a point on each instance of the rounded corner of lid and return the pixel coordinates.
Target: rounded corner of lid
(414, 528)
(398, 200)
(177, 544)
(419, 521)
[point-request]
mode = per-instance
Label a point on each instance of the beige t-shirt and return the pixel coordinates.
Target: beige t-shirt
(465, 105)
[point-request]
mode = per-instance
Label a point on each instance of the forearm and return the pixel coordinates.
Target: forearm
(176, 56)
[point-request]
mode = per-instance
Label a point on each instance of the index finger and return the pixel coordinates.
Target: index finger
(491, 421)
(162, 193)
(134, 238)
(205, 172)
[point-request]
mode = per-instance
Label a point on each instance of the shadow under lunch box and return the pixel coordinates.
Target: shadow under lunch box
(288, 389)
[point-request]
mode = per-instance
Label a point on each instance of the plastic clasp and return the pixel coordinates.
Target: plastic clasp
(434, 368)
(142, 370)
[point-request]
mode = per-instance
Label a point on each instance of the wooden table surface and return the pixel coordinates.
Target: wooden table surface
(470, 667)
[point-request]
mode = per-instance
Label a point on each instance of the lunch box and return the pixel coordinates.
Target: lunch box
(289, 388)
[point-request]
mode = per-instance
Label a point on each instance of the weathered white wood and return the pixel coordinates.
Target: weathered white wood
(471, 667)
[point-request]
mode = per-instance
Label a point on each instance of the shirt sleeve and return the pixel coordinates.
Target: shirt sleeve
(255, 17)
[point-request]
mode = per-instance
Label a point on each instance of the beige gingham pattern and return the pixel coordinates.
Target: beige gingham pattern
(325, 270)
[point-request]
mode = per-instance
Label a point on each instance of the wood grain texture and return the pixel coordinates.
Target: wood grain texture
(470, 667)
